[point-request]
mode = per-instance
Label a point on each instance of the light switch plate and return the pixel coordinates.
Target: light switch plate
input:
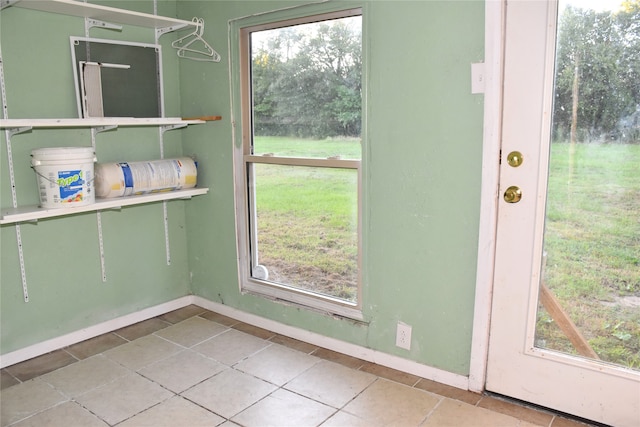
(477, 78)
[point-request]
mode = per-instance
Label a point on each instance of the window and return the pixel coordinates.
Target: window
(298, 169)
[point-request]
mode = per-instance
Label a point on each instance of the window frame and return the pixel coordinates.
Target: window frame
(243, 159)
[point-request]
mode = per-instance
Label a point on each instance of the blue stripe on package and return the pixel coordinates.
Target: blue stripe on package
(128, 178)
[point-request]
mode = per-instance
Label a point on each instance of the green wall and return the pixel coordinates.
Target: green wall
(422, 166)
(421, 181)
(62, 259)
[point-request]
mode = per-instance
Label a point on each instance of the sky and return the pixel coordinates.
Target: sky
(597, 5)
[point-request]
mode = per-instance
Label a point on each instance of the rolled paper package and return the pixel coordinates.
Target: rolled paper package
(153, 176)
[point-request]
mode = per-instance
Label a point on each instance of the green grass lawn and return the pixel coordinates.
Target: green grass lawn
(307, 217)
(592, 246)
(346, 148)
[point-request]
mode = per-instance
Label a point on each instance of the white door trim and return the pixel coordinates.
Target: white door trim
(493, 76)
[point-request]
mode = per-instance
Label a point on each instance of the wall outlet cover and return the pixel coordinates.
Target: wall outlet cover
(403, 336)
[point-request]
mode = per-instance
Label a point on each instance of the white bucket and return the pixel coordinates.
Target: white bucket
(64, 175)
(135, 178)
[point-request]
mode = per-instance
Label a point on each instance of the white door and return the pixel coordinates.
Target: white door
(523, 362)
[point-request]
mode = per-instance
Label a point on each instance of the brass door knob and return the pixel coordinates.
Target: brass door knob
(515, 159)
(513, 194)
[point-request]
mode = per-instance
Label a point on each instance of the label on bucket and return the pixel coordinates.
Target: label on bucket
(70, 183)
(64, 176)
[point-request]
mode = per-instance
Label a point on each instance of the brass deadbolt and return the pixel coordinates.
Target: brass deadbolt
(515, 159)
(513, 194)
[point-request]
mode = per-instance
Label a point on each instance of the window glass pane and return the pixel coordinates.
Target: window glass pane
(306, 89)
(307, 228)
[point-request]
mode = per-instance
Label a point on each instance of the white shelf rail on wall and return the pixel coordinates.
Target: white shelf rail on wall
(9, 132)
(192, 46)
(107, 17)
(101, 13)
(96, 122)
(20, 214)
(96, 15)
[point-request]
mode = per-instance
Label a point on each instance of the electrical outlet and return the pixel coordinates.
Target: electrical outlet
(403, 336)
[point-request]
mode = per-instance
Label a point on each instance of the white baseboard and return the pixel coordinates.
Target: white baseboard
(48, 346)
(374, 356)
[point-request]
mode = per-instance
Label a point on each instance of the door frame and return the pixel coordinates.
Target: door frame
(494, 42)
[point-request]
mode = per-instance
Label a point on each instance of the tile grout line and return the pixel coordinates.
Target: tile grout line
(70, 354)
(337, 410)
(90, 411)
(68, 399)
(12, 376)
(120, 336)
(199, 405)
(442, 399)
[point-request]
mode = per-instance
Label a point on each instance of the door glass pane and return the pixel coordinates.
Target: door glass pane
(590, 290)
(307, 228)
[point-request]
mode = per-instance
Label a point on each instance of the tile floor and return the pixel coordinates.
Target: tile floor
(193, 367)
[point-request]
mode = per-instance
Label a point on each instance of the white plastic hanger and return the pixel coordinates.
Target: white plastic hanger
(188, 45)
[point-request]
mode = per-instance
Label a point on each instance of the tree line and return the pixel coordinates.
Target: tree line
(598, 75)
(308, 83)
